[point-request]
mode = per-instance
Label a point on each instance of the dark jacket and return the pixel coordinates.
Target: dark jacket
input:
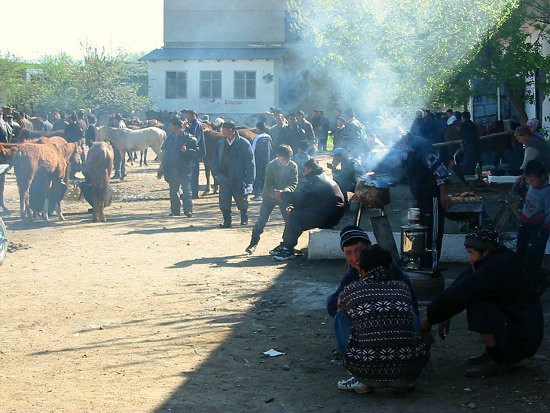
(352, 275)
(291, 137)
(469, 135)
(307, 127)
(424, 170)
(263, 151)
(315, 193)
(195, 129)
(353, 138)
(346, 176)
(176, 163)
(74, 132)
(234, 165)
(501, 280)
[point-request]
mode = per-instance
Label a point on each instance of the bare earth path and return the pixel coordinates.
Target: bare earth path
(155, 313)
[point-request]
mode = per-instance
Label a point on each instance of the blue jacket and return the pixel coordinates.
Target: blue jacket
(234, 165)
(196, 130)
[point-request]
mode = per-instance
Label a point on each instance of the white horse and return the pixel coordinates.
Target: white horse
(127, 140)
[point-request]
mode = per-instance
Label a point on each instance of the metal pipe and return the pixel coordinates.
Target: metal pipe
(435, 232)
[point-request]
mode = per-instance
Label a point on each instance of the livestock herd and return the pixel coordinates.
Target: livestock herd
(44, 166)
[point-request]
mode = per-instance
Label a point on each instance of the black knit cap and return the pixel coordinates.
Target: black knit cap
(374, 257)
(352, 232)
(483, 238)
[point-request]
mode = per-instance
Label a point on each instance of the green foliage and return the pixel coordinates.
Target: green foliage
(103, 82)
(426, 52)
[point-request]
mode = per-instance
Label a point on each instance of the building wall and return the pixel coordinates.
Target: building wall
(266, 93)
(215, 22)
(531, 109)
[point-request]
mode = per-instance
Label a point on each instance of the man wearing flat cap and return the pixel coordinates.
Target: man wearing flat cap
(233, 165)
(500, 302)
(195, 129)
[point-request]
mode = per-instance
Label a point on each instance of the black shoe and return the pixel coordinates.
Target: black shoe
(175, 214)
(488, 369)
(276, 250)
(251, 248)
(285, 254)
(225, 225)
(195, 196)
(189, 214)
(478, 360)
(244, 223)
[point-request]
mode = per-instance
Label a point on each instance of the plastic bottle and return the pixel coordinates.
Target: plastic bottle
(478, 172)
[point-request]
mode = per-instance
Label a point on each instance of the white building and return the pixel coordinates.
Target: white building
(224, 58)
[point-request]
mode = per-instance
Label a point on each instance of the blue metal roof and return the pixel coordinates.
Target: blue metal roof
(270, 53)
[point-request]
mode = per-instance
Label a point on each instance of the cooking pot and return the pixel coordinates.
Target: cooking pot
(372, 193)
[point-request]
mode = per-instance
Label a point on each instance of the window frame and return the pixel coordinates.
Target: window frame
(211, 80)
(245, 81)
(178, 74)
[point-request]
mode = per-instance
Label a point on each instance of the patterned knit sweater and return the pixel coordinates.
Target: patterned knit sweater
(383, 346)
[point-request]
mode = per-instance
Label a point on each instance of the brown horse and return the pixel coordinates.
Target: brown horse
(48, 162)
(98, 168)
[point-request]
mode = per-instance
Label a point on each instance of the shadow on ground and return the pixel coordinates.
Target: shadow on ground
(290, 317)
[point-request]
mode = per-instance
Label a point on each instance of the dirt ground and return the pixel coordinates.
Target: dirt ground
(151, 313)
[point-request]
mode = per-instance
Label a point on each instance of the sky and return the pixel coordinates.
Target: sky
(36, 28)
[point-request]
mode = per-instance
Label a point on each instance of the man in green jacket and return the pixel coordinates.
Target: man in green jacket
(281, 175)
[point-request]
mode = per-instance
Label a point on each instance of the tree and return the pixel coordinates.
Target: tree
(120, 85)
(103, 82)
(426, 52)
(513, 54)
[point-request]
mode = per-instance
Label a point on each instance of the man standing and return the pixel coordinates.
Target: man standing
(263, 154)
(281, 176)
(354, 137)
(470, 143)
(233, 165)
(5, 131)
(179, 149)
(73, 131)
(277, 131)
(195, 129)
(307, 127)
(292, 134)
(116, 121)
(427, 178)
(321, 126)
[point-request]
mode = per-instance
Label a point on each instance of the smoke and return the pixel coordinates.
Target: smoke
(385, 58)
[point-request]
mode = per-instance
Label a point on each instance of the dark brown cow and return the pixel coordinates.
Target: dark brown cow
(50, 160)
(98, 168)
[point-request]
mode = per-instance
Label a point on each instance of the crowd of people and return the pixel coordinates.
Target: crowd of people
(380, 334)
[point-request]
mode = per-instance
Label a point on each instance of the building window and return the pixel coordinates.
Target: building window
(211, 84)
(245, 85)
(176, 85)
